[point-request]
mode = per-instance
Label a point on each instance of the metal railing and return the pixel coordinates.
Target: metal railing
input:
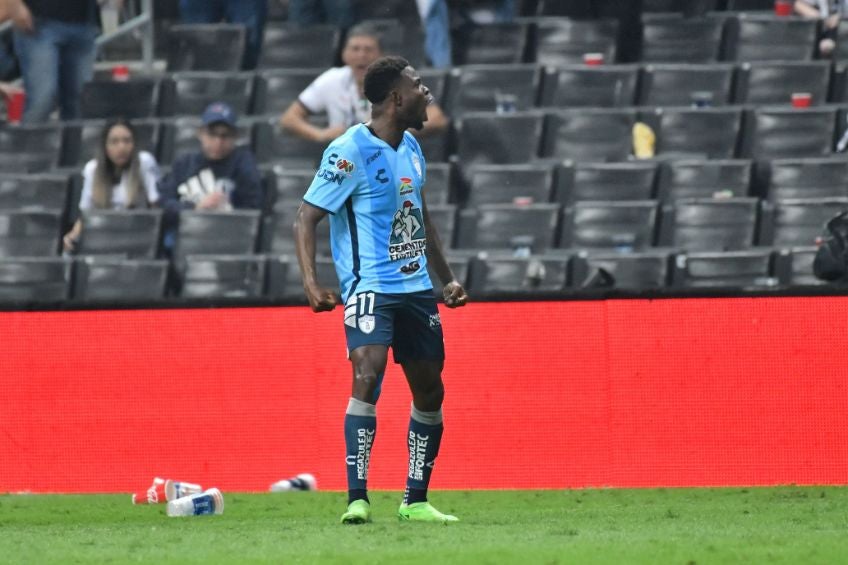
(143, 20)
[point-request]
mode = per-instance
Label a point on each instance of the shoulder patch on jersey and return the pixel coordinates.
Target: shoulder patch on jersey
(345, 166)
(416, 162)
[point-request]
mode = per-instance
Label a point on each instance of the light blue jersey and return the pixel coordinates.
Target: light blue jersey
(373, 194)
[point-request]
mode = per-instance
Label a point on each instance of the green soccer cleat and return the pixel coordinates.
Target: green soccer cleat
(358, 512)
(423, 512)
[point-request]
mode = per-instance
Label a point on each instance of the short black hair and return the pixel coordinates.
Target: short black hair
(381, 77)
(365, 29)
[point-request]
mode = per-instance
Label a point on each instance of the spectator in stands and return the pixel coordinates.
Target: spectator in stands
(249, 13)
(120, 177)
(54, 42)
(221, 176)
(339, 13)
(338, 92)
(830, 12)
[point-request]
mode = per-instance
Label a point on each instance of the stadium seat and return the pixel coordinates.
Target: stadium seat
(179, 136)
(607, 181)
(440, 185)
(794, 266)
(223, 276)
(217, 233)
(671, 38)
(699, 133)
(686, 85)
(841, 51)
(772, 82)
(276, 89)
(487, 137)
(747, 269)
(188, 94)
(755, 37)
(588, 86)
(502, 184)
(274, 145)
(207, 47)
(480, 88)
(589, 135)
(292, 46)
(492, 44)
(137, 98)
(443, 218)
(564, 41)
(750, 5)
(507, 226)
(807, 178)
(278, 231)
(397, 38)
(701, 224)
(284, 280)
(119, 280)
(641, 270)
(133, 233)
(436, 81)
(622, 225)
(704, 179)
(33, 192)
(461, 269)
(30, 148)
(493, 273)
(286, 187)
(797, 222)
(82, 140)
(688, 8)
(29, 279)
(26, 233)
(783, 133)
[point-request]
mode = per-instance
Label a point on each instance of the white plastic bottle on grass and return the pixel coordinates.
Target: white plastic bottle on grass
(210, 501)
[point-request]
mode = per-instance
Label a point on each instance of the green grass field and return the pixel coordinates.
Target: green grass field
(757, 525)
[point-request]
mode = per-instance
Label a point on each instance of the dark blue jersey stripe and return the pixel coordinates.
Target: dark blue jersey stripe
(354, 245)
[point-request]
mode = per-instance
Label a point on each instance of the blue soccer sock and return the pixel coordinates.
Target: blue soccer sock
(424, 438)
(360, 426)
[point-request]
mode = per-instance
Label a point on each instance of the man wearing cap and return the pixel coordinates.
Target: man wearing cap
(221, 176)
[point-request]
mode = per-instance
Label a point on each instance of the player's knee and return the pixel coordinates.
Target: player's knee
(365, 385)
(431, 398)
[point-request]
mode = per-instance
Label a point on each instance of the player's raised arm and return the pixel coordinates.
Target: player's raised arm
(308, 216)
(453, 292)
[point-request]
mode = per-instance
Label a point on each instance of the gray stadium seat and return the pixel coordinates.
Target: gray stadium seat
(641, 270)
(493, 273)
(683, 85)
(119, 280)
(134, 99)
(704, 179)
(286, 187)
(797, 222)
(503, 184)
(697, 224)
(507, 226)
(589, 135)
(398, 38)
(206, 47)
(188, 94)
(133, 233)
(274, 145)
(784, 133)
(624, 226)
(700, 133)
(607, 181)
(671, 38)
(459, 266)
(807, 178)
(477, 88)
(747, 269)
(223, 276)
(487, 137)
(276, 89)
(278, 231)
(443, 218)
(590, 87)
(492, 44)
(291, 46)
(30, 148)
(794, 266)
(440, 186)
(774, 82)
(284, 280)
(754, 37)
(28, 279)
(564, 41)
(30, 233)
(217, 233)
(33, 192)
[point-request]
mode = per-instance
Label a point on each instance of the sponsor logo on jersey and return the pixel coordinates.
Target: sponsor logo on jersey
(374, 157)
(410, 268)
(416, 162)
(407, 239)
(345, 165)
(406, 185)
(331, 176)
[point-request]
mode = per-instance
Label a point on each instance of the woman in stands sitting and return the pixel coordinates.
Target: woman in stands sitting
(121, 177)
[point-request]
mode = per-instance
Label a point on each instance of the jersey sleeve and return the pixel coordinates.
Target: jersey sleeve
(337, 178)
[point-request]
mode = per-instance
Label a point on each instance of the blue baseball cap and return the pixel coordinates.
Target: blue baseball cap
(219, 113)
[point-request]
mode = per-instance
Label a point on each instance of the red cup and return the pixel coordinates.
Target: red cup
(802, 99)
(783, 7)
(593, 59)
(121, 73)
(15, 107)
(153, 495)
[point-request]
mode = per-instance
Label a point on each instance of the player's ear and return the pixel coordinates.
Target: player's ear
(397, 99)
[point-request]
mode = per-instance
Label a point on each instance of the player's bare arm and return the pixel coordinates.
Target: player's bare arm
(453, 292)
(320, 299)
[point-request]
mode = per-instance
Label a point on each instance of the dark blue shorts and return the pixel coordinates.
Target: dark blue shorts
(409, 323)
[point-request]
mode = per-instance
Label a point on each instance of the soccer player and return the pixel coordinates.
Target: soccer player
(370, 183)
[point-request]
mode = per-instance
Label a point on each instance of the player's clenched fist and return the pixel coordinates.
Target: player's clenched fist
(321, 299)
(454, 295)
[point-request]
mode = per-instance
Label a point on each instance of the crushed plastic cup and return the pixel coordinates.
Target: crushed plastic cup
(179, 489)
(302, 482)
(155, 494)
(783, 7)
(120, 73)
(15, 107)
(802, 99)
(593, 59)
(204, 503)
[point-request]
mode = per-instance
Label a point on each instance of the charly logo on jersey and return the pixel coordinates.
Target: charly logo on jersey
(416, 162)
(406, 185)
(407, 239)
